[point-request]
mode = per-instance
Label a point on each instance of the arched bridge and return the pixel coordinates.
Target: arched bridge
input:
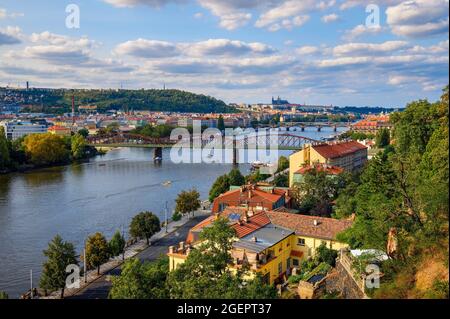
(255, 140)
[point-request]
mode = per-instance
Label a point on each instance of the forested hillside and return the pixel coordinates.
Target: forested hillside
(154, 100)
(402, 199)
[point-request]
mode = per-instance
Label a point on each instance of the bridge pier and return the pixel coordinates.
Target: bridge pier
(335, 128)
(319, 128)
(157, 154)
(303, 128)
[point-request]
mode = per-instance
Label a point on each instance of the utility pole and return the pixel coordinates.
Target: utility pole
(31, 283)
(85, 263)
(166, 223)
(123, 236)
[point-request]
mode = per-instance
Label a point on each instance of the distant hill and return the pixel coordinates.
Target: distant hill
(60, 100)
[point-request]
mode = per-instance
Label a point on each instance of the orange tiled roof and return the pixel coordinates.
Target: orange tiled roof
(253, 223)
(339, 149)
(251, 195)
(303, 225)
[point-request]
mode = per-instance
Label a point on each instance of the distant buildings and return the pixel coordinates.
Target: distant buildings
(372, 124)
(60, 130)
(349, 155)
(17, 129)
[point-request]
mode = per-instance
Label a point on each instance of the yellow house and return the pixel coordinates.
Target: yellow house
(271, 243)
(348, 155)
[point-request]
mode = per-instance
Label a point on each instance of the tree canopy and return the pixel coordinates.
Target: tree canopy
(60, 254)
(187, 202)
(97, 251)
(404, 191)
(145, 225)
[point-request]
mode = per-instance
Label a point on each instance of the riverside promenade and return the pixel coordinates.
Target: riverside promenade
(98, 286)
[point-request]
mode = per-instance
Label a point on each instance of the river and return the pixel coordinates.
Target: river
(81, 199)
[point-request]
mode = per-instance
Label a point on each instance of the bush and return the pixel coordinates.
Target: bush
(176, 216)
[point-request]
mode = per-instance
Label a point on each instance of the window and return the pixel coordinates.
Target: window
(295, 262)
(280, 268)
(301, 241)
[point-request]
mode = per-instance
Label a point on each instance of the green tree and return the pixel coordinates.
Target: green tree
(187, 202)
(145, 225)
(383, 138)
(84, 132)
(221, 123)
(283, 163)
(220, 186)
(316, 191)
(60, 254)
(3, 295)
(78, 146)
(141, 280)
(97, 251)
(117, 244)
(46, 149)
(4, 150)
(235, 178)
(281, 180)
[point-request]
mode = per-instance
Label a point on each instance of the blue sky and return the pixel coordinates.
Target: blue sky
(241, 51)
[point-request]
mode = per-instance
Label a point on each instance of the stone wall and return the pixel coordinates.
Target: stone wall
(340, 280)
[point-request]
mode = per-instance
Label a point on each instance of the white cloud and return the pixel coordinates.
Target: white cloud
(348, 4)
(364, 49)
(10, 35)
(220, 47)
(330, 18)
(133, 3)
(307, 50)
(198, 15)
(323, 5)
(419, 18)
(143, 48)
(4, 14)
(360, 30)
(280, 15)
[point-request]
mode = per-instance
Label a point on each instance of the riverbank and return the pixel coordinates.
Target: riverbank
(26, 168)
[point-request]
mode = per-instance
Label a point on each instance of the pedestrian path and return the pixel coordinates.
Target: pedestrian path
(130, 251)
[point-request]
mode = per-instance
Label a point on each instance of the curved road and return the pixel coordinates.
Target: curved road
(99, 288)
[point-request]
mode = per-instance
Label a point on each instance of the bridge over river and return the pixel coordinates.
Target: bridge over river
(260, 140)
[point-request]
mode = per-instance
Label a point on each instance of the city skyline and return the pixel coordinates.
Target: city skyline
(314, 52)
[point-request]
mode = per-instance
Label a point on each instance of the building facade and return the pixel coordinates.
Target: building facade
(271, 243)
(17, 129)
(350, 156)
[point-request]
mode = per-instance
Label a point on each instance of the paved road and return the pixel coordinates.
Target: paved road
(99, 289)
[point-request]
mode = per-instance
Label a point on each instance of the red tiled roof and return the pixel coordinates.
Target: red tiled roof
(254, 222)
(253, 196)
(339, 149)
(303, 225)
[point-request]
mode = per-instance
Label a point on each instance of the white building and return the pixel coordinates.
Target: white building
(17, 129)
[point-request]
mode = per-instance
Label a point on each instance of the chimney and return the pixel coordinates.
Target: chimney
(249, 194)
(182, 245)
(316, 222)
(171, 249)
(254, 239)
(245, 218)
